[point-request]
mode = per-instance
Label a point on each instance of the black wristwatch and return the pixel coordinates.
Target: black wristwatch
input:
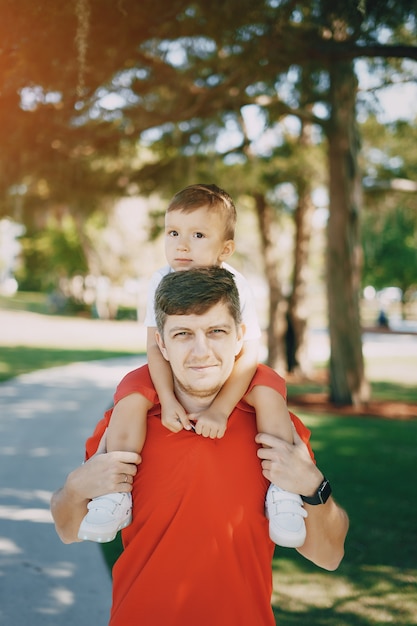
(322, 494)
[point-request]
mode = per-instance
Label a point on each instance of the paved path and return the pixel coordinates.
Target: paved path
(45, 418)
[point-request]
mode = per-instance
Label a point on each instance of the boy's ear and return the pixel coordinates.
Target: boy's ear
(228, 249)
(161, 345)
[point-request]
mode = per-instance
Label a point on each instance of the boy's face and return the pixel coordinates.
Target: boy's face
(195, 239)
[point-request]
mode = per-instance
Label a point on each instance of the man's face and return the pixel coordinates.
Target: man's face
(201, 350)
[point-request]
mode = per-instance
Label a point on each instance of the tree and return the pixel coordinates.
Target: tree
(187, 71)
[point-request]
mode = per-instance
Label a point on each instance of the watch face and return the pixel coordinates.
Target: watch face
(324, 491)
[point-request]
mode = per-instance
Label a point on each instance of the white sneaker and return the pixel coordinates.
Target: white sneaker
(286, 515)
(106, 516)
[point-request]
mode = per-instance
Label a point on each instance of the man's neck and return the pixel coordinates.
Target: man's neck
(192, 403)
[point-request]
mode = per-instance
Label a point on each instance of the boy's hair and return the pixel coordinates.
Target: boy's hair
(195, 291)
(195, 196)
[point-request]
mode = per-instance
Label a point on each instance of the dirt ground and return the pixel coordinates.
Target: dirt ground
(319, 403)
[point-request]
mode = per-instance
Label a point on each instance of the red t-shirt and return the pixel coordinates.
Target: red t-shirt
(198, 551)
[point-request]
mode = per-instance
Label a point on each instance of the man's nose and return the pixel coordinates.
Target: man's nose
(201, 346)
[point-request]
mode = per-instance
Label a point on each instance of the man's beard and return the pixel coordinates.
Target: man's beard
(196, 393)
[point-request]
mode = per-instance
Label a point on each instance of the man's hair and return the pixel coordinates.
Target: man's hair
(194, 292)
(216, 199)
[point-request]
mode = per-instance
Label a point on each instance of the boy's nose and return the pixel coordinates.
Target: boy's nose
(182, 244)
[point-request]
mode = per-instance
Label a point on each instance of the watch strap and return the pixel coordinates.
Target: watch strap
(321, 495)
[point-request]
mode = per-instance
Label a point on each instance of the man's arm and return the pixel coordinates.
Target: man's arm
(327, 525)
(103, 473)
(291, 467)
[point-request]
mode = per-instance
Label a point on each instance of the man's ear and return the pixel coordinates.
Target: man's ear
(241, 329)
(228, 249)
(161, 345)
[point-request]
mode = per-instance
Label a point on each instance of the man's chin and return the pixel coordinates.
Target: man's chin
(199, 390)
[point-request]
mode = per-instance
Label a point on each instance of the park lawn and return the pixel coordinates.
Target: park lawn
(16, 360)
(370, 463)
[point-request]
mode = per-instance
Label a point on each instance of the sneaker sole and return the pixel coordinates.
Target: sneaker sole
(94, 535)
(288, 541)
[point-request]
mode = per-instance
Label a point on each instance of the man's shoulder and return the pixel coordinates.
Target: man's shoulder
(268, 377)
(136, 381)
(139, 373)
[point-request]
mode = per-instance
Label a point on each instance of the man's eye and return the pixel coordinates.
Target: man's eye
(218, 331)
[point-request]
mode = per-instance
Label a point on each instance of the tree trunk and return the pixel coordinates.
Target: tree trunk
(347, 378)
(297, 315)
(277, 305)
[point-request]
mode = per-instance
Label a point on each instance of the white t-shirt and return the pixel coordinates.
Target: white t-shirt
(247, 301)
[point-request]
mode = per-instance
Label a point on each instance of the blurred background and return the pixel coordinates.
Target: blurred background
(305, 112)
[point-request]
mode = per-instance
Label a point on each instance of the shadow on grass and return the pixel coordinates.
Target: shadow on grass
(15, 360)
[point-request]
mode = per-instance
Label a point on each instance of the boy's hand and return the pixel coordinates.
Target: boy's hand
(174, 417)
(209, 423)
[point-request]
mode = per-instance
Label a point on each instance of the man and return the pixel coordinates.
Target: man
(198, 550)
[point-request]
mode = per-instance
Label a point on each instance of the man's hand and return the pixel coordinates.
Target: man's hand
(174, 417)
(209, 423)
(288, 465)
(104, 473)
(291, 467)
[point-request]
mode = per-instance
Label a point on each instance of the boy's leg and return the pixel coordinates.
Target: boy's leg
(284, 510)
(112, 512)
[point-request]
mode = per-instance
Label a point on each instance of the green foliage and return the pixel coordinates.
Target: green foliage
(390, 248)
(389, 222)
(186, 71)
(49, 254)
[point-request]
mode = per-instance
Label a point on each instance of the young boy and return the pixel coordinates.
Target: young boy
(199, 231)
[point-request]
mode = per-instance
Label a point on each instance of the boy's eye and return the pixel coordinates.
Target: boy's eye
(198, 235)
(172, 233)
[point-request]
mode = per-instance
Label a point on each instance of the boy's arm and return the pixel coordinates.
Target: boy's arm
(173, 415)
(213, 421)
(272, 415)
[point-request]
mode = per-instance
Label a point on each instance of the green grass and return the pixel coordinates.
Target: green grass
(371, 464)
(18, 360)
(25, 301)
